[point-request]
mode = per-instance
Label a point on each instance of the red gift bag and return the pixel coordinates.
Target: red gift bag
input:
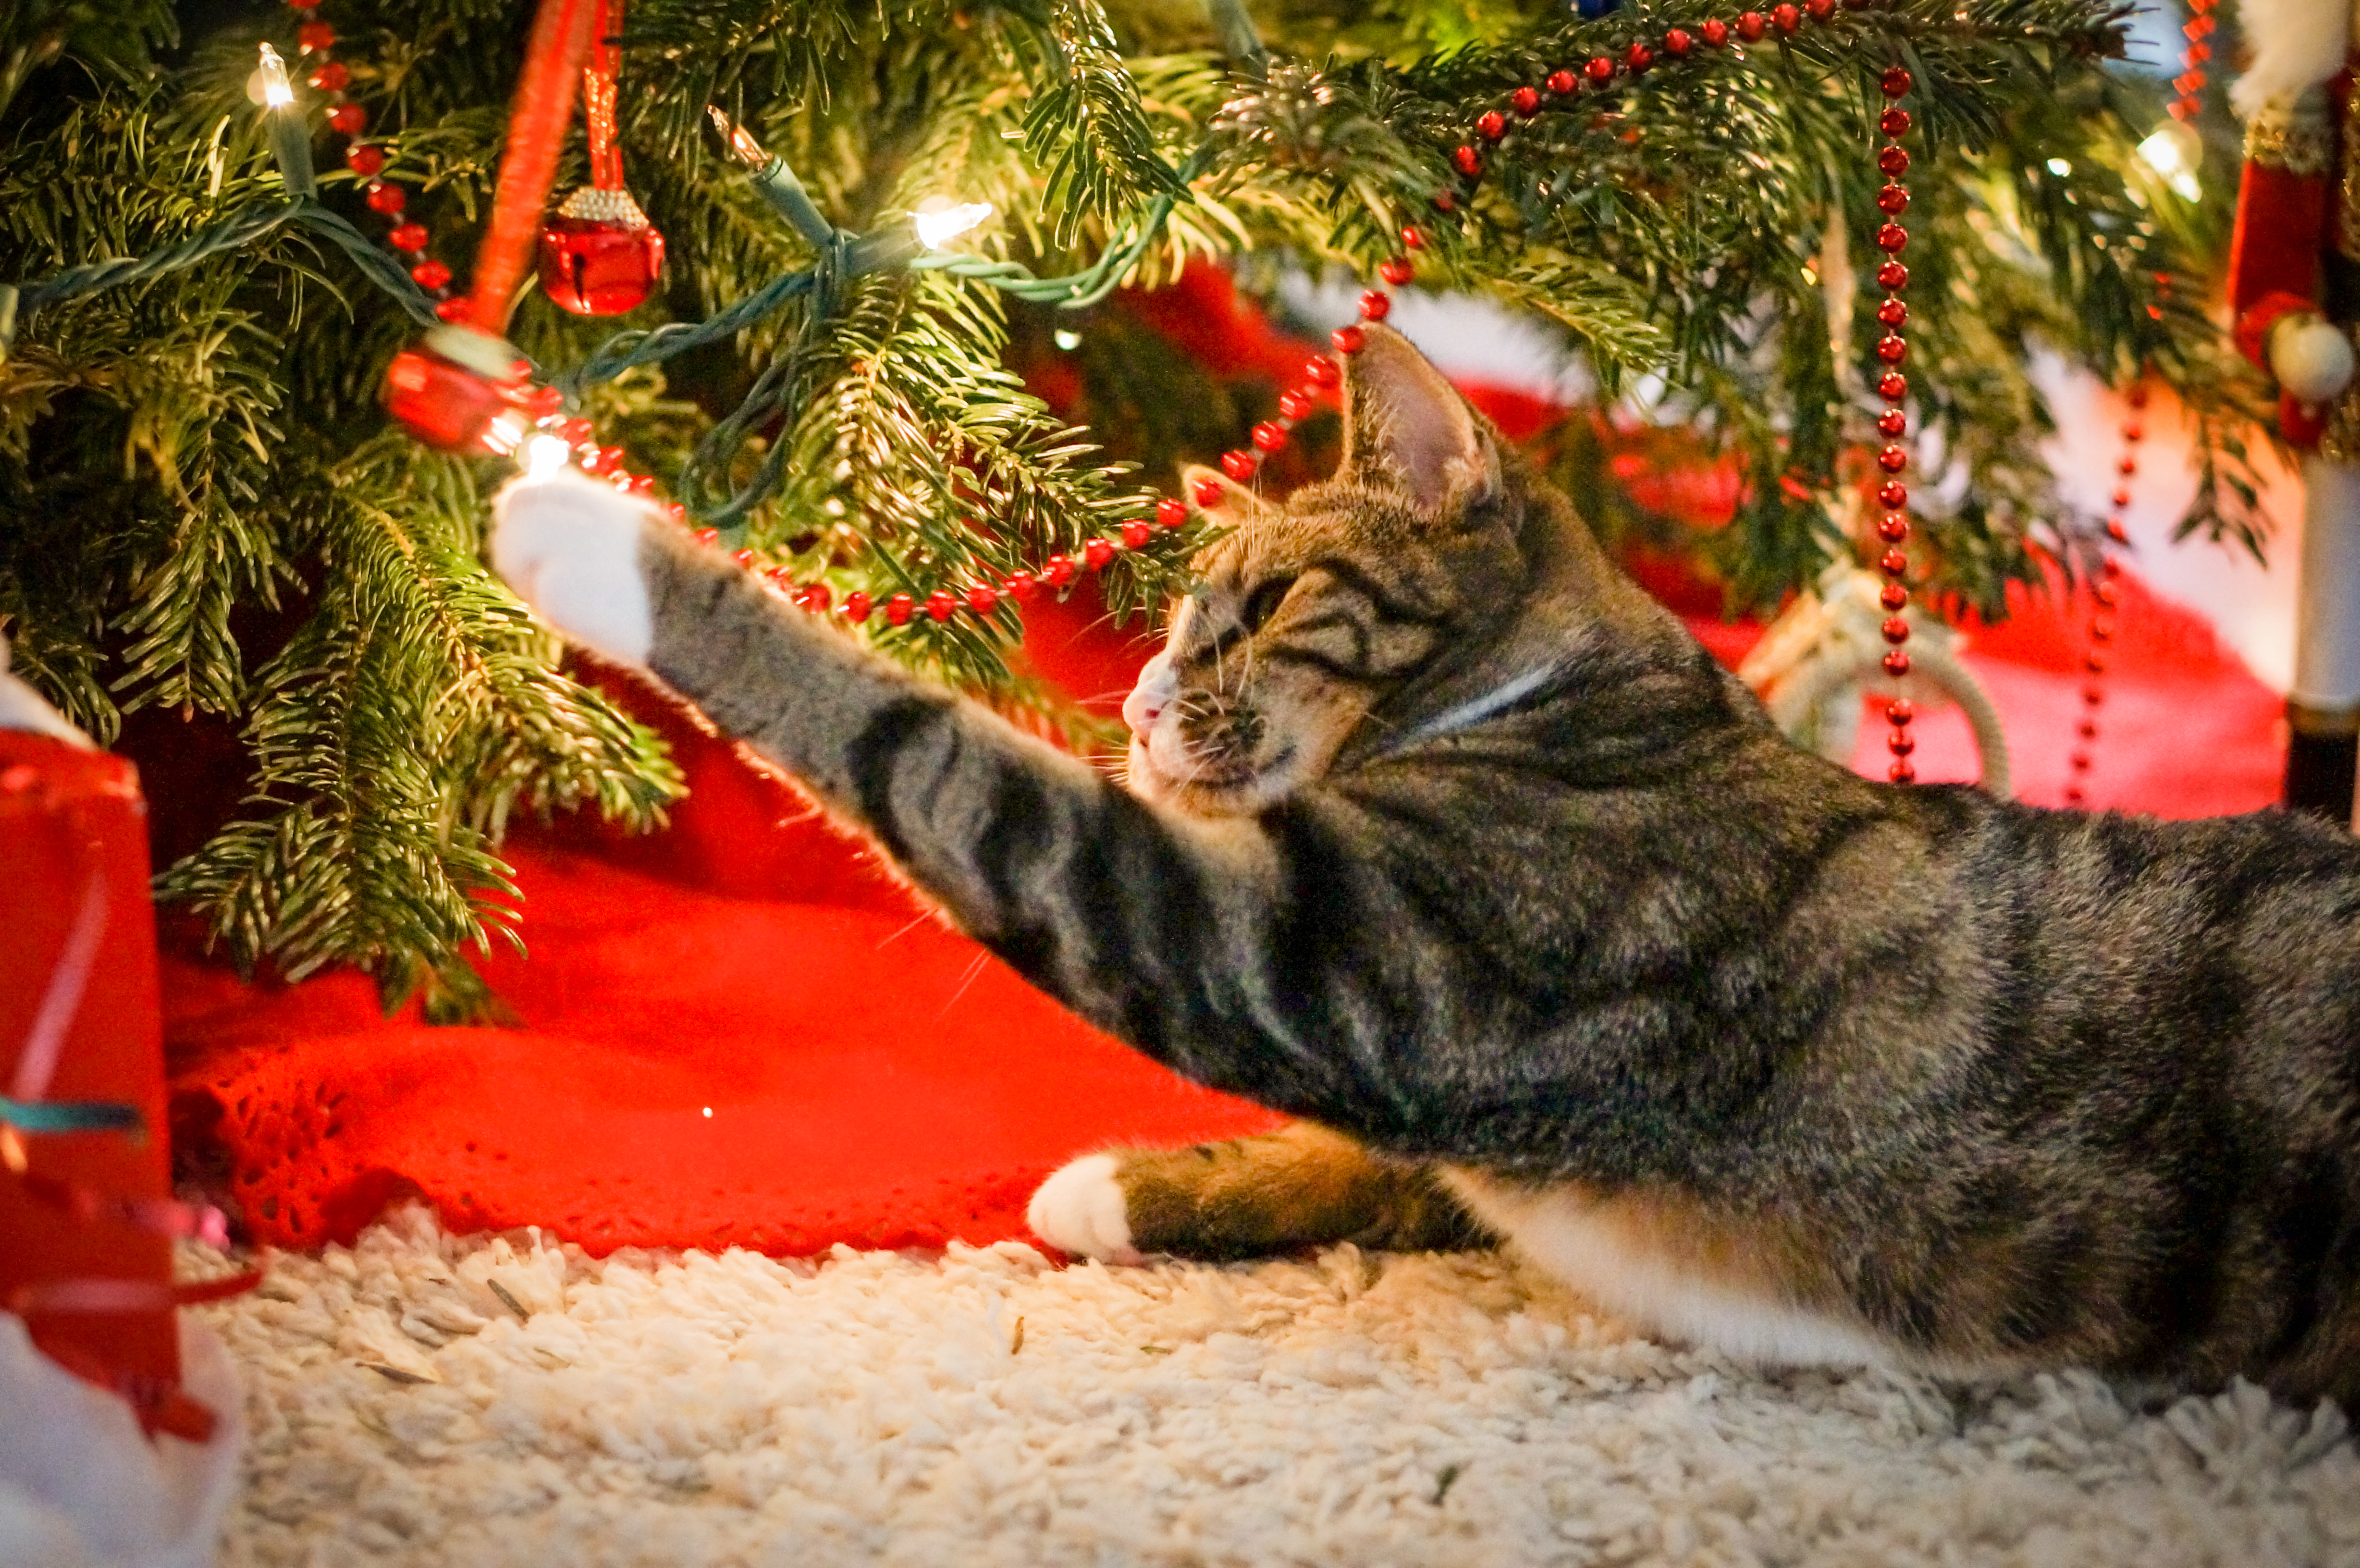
(85, 1210)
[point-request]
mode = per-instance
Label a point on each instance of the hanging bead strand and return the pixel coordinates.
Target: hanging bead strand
(2105, 594)
(1892, 350)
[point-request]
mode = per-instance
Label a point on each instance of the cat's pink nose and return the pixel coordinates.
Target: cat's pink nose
(1151, 696)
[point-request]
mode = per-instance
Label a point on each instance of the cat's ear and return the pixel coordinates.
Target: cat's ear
(1216, 497)
(1406, 426)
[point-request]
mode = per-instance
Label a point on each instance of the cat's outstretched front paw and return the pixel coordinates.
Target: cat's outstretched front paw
(1080, 1209)
(569, 548)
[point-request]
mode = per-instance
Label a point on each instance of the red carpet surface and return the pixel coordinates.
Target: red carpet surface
(739, 1033)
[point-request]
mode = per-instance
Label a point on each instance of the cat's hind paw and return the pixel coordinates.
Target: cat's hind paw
(569, 548)
(1080, 1210)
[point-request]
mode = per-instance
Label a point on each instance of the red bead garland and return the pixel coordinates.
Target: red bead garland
(313, 40)
(2105, 593)
(1893, 529)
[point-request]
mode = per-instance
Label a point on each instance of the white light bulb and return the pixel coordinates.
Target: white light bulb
(277, 91)
(2059, 168)
(2174, 149)
(544, 455)
(1068, 339)
(939, 220)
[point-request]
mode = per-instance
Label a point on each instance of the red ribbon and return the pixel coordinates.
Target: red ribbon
(538, 121)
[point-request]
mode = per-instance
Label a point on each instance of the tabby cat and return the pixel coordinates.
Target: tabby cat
(1444, 837)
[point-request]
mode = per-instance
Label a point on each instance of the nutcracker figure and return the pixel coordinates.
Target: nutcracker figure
(2294, 286)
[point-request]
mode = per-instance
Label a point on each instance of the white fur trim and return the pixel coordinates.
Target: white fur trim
(569, 548)
(2296, 44)
(1080, 1209)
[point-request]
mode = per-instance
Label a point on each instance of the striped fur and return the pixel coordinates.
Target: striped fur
(1765, 1053)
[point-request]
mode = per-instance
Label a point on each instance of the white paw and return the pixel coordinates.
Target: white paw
(1079, 1210)
(569, 548)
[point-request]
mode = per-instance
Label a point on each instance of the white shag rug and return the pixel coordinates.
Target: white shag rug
(474, 1403)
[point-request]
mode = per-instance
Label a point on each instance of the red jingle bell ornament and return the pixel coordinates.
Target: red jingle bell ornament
(599, 255)
(458, 389)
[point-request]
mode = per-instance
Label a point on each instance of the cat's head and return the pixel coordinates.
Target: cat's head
(1314, 614)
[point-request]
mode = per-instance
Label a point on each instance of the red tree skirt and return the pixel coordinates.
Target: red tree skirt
(871, 1078)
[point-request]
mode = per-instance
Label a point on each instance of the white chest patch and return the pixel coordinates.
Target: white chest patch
(1660, 1282)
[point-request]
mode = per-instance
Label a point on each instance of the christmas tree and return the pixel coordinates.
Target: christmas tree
(204, 505)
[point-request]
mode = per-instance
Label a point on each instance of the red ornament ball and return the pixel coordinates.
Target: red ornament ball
(1901, 743)
(1895, 83)
(1413, 236)
(982, 599)
(1894, 160)
(1136, 532)
(1893, 527)
(1893, 459)
(941, 606)
(1902, 773)
(1892, 596)
(1208, 494)
(1097, 553)
(1750, 25)
(1892, 349)
(1893, 314)
(332, 77)
(1891, 238)
(1348, 340)
(444, 404)
(1057, 570)
(1715, 31)
(1897, 664)
(411, 237)
(1893, 424)
(1321, 371)
(1600, 71)
(898, 608)
(1239, 465)
(1172, 512)
(856, 607)
(1525, 100)
(1492, 124)
(430, 275)
(384, 197)
(2126, 467)
(1295, 405)
(1469, 162)
(1639, 58)
(1562, 83)
(1894, 122)
(1893, 199)
(350, 119)
(313, 36)
(365, 161)
(1678, 42)
(1021, 586)
(453, 309)
(1375, 305)
(1786, 19)
(1818, 10)
(1894, 563)
(1893, 276)
(1893, 495)
(1895, 630)
(1396, 270)
(1269, 435)
(1899, 712)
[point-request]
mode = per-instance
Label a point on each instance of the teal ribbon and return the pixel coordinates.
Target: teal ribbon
(71, 1116)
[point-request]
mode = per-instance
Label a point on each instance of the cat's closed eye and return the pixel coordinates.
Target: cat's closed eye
(1263, 601)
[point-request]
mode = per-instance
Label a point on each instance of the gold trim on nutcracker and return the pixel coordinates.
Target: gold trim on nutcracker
(2297, 143)
(2340, 441)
